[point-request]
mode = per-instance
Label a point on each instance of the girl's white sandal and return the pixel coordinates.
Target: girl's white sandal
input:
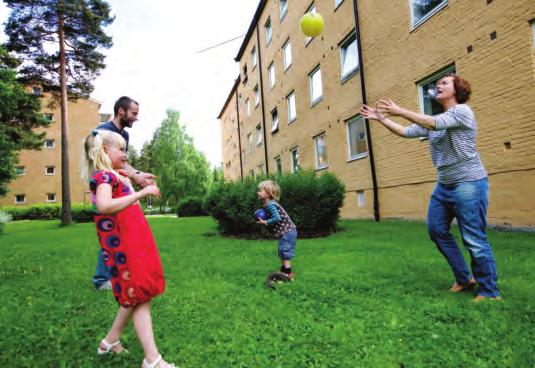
(108, 347)
(155, 363)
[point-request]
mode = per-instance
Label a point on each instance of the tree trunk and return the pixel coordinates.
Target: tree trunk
(66, 216)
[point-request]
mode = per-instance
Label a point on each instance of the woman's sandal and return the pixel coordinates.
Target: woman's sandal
(108, 347)
(156, 363)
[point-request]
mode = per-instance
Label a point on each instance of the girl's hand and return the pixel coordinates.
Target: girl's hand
(151, 189)
(389, 107)
(261, 222)
(371, 113)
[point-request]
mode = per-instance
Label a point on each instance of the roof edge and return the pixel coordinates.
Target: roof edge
(234, 87)
(256, 18)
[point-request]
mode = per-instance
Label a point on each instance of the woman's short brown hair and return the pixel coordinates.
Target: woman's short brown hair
(462, 88)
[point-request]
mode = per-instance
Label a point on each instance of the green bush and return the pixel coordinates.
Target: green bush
(189, 207)
(312, 201)
(4, 219)
(80, 212)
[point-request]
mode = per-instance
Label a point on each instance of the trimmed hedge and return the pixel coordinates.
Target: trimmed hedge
(190, 206)
(312, 201)
(80, 212)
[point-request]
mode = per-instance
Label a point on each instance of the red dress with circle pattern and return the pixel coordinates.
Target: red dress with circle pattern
(128, 247)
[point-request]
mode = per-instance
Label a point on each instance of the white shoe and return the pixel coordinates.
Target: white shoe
(105, 286)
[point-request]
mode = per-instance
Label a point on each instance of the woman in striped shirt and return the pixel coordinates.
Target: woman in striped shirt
(461, 191)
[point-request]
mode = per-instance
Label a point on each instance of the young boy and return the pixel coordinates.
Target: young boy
(280, 223)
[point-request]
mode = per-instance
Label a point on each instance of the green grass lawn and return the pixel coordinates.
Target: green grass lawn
(372, 295)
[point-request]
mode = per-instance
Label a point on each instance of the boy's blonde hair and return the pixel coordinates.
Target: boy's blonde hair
(95, 156)
(271, 188)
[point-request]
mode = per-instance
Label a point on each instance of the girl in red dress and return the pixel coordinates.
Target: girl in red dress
(128, 247)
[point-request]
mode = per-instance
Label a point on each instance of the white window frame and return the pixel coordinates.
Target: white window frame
(318, 165)
(53, 170)
(356, 156)
(278, 164)
(289, 99)
(258, 135)
(253, 58)
(294, 161)
(49, 116)
(350, 39)
(251, 172)
(361, 199)
(49, 140)
(314, 101)
(283, 9)
(533, 30)
(256, 96)
(247, 107)
(249, 143)
(311, 9)
(274, 120)
(436, 9)
(37, 91)
(287, 54)
(271, 75)
(23, 170)
(51, 200)
(261, 169)
(268, 30)
(23, 198)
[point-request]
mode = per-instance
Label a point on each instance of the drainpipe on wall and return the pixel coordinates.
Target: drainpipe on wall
(239, 133)
(262, 97)
(376, 212)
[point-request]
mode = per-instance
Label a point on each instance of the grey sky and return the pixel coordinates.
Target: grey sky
(154, 61)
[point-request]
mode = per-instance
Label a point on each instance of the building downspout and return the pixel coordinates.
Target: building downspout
(239, 133)
(376, 212)
(262, 97)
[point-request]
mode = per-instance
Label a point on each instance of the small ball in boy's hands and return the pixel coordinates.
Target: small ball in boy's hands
(260, 214)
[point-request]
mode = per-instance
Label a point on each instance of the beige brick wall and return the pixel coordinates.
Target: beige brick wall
(396, 58)
(83, 116)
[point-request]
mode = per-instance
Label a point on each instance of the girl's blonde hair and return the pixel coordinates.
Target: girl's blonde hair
(271, 188)
(95, 156)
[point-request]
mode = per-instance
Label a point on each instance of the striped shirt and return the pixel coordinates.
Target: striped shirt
(278, 217)
(453, 145)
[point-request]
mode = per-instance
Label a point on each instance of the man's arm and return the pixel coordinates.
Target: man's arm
(139, 177)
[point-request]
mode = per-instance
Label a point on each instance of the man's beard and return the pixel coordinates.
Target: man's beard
(126, 123)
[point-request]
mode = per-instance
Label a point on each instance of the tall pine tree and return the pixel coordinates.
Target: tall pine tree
(59, 41)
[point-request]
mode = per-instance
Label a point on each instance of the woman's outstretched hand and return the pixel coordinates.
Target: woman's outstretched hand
(389, 107)
(371, 113)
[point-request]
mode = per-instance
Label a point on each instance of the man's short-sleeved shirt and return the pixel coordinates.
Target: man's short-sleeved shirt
(111, 127)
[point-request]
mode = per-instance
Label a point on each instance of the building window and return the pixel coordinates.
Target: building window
(251, 173)
(274, 120)
(287, 54)
(423, 9)
(49, 143)
(36, 91)
(20, 170)
(249, 143)
(533, 30)
(253, 57)
(50, 170)
(49, 117)
(321, 152)
(360, 198)
(292, 112)
(316, 89)
(311, 10)
(271, 75)
(278, 164)
(426, 91)
(51, 197)
(245, 78)
(283, 7)
(268, 31)
(261, 169)
(356, 136)
(349, 58)
(337, 3)
(258, 135)
(247, 107)
(256, 96)
(20, 198)
(294, 153)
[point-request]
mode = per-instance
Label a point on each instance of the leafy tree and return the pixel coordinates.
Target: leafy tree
(180, 169)
(19, 114)
(59, 42)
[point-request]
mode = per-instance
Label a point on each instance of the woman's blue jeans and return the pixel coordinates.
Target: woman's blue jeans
(467, 202)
